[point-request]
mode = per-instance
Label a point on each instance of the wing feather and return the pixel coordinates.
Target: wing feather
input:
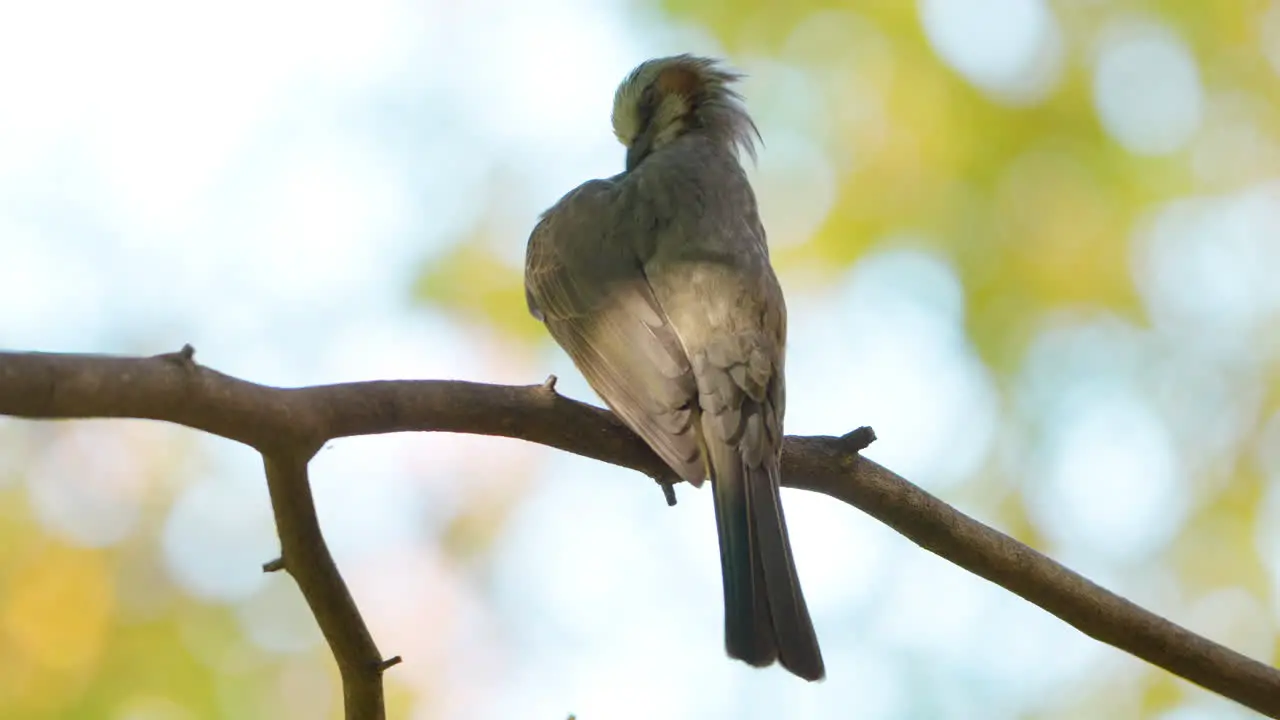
(594, 298)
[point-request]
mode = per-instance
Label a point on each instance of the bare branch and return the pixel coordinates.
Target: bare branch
(172, 387)
(306, 557)
(292, 423)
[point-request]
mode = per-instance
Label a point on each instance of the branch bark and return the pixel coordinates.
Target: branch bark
(288, 425)
(304, 554)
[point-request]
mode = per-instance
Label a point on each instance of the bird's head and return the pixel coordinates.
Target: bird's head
(665, 98)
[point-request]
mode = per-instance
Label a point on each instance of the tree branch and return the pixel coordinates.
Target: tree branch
(289, 425)
(304, 554)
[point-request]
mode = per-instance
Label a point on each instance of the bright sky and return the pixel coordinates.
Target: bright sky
(260, 179)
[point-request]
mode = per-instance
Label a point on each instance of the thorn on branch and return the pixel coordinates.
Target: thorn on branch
(549, 385)
(273, 566)
(184, 357)
(859, 439)
(390, 662)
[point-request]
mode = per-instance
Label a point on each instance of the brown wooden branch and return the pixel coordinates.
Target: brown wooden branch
(305, 556)
(289, 425)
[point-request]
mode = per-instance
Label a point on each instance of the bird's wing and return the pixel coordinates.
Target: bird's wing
(589, 287)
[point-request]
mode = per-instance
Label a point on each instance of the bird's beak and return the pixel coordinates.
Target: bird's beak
(640, 148)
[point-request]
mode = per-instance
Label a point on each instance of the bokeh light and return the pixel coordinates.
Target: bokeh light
(1204, 267)
(1011, 49)
(899, 329)
(217, 536)
(1147, 88)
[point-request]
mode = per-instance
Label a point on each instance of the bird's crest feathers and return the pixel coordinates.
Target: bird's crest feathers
(669, 96)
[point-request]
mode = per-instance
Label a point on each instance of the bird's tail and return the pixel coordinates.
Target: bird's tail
(765, 616)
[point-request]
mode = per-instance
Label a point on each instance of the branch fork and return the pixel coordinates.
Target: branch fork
(288, 426)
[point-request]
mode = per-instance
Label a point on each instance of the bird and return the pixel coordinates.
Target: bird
(658, 285)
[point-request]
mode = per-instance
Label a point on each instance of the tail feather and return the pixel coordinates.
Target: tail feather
(748, 626)
(796, 639)
(766, 618)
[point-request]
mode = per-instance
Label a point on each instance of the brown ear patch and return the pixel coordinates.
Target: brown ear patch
(679, 80)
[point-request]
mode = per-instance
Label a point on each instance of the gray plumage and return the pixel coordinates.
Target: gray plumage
(657, 283)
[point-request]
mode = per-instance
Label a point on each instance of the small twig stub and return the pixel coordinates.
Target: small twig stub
(389, 663)
(860, 439)
(185, 356)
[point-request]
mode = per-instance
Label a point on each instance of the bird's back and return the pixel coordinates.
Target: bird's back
(707, 260)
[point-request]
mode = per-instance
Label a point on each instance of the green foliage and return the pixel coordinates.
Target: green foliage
(473, 282)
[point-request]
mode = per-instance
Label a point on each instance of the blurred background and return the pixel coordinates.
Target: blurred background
(1034, 244)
